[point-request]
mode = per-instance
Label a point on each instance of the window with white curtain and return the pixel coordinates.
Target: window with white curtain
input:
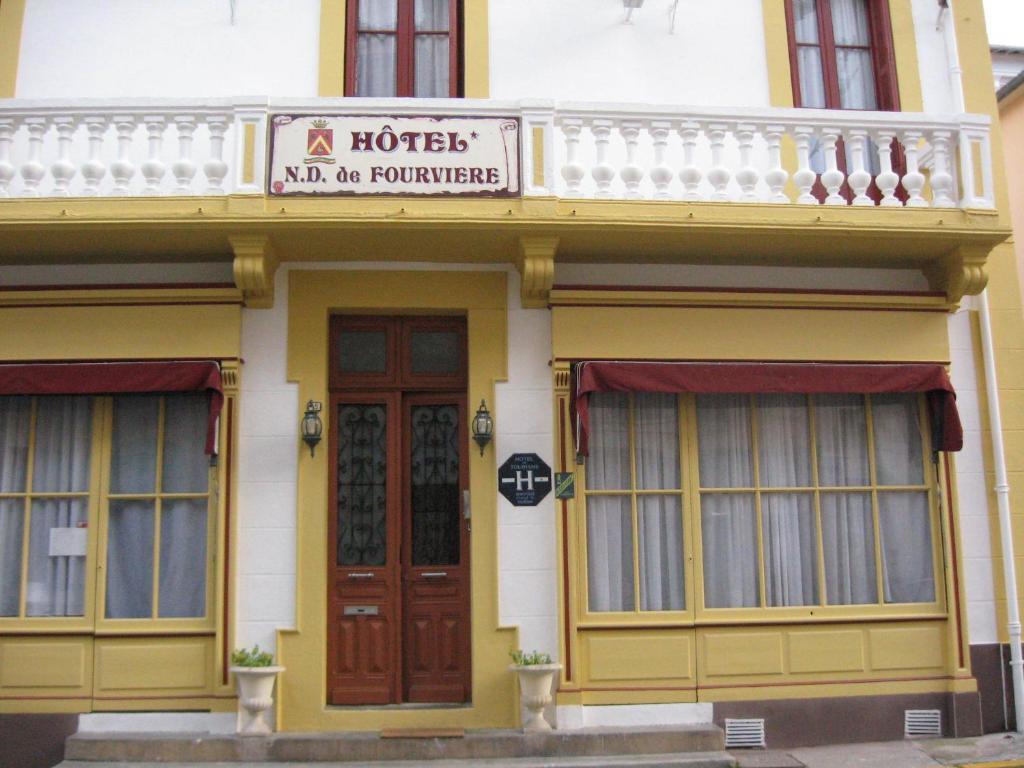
(403, 48)
(794, 501)
(132, 468)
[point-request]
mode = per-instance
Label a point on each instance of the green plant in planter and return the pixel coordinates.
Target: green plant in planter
(251, 657)
(531, 659)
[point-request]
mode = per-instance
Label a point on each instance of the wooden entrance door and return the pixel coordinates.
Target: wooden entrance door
(398, 581)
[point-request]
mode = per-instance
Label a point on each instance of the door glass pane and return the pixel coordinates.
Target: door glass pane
(15, 419)
(183, 558)
(850, 25)
(661, 553)
(63, 439)
(728, 525)
(431, 15)
(56, 558)
(432, 66)
(856, 79)
(362, 484)
(186, 465)
(434, 485)
(842, 438)
(805, 21)
(790, 548)
(130, 560)
(434, 351)
(723, 432)
(608, 464)
(848, 536)
(362, 352)
(378, 14)
(133, 454)
(898, 459)
(812, 78)
(375, 65)
(905, 527)
(610, 553)
(784, 441)
(12, 521)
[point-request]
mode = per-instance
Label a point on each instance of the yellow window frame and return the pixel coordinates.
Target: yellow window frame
(695, 612)
(93, 619)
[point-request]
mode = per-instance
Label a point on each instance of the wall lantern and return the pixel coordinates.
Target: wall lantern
(312, 427)
(483, 426)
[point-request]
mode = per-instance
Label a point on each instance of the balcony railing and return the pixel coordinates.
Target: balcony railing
(607, 151)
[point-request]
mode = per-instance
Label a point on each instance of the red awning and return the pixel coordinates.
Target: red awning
(118, 378)
(796, 378)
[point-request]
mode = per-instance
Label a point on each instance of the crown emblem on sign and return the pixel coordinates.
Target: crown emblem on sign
(320, 123)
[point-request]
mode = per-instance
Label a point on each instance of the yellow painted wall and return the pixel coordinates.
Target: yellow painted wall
(12, 13)
(312, 297)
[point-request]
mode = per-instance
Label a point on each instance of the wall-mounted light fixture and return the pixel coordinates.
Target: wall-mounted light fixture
(632, 5)
(483, 426)
(312, 427)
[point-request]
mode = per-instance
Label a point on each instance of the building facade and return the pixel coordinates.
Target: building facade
(711, 267)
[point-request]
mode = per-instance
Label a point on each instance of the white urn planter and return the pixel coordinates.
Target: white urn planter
(255, 696)
(535, 692)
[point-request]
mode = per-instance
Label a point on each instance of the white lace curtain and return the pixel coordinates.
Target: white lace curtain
(377, 48)
(783, 480)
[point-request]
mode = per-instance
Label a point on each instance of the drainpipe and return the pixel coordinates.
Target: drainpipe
(1002, 487)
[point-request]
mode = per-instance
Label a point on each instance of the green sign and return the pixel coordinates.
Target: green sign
(565, 485)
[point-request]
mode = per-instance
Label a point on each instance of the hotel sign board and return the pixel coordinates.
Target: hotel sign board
(394, 155)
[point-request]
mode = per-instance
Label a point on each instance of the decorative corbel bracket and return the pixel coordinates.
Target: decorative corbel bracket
(254, 267)
(536, 265)
(961, 272)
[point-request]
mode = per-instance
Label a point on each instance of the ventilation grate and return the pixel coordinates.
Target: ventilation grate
(744, 733)
(922, 722)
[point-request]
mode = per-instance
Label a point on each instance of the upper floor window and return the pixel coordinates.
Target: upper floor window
(403, 48)
(841, 54)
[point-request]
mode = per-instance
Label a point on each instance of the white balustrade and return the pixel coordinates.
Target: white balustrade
(605, 151)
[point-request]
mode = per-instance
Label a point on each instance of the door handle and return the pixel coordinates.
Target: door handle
(360, 575)
(434, 574)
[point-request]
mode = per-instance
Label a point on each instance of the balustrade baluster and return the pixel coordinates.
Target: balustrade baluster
(122, 169)
(887, 178)
(942, 179)
(719, 175)
(832, 178)
(63, 170)
(572, 171)
(603, 173)
(153, 169)
(183, 168)
(747, 176)
(776, 176)
(690, 174)
(661, 174)
(632, 174)
(32, 170)
(7, 130)
(859, 179)
(215, 168)
(93, 169)
(805, 175)
(913, 181)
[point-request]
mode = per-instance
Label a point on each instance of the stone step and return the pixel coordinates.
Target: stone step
(679, 741)
(691, 760)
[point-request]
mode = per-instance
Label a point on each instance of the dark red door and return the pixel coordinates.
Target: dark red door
(398, 582)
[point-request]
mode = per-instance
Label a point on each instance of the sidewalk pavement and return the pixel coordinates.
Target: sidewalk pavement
(1000, 750)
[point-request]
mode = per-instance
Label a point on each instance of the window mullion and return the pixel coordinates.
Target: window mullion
(875, 518)
(406, 41)
(756, 462)
(157, 506)
(829, 65)
(27, 508)
(106, 452)
(633, 503)
(820, 543)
